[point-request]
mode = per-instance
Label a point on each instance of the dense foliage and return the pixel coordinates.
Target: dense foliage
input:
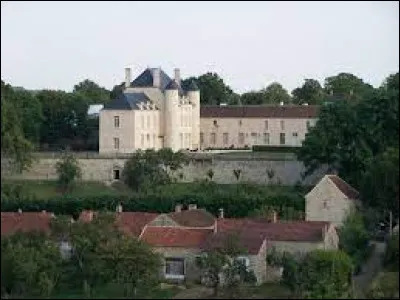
(148, 169)
(391, 257)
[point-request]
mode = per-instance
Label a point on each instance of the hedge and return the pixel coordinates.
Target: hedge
(266, 148)
(234, 205)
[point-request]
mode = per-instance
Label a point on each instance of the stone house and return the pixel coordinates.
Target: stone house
(331, 200)
(154, 111)
(183, 235)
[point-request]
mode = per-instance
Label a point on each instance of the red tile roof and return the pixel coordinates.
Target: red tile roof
(260, 111)
(12, 222)
(193, 218)
(133, 223)
(175, 236)
(248, 242)
(299, 231)
(344, 187)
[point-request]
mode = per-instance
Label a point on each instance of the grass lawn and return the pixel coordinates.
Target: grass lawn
(48, 189)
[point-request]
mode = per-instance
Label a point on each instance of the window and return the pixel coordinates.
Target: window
(215, 123)
(282, 138)
(142, 121)
(266, 124)
(240, 122)
(213, 140)
(282, 125)
(253, 134)
(295, 134)
(266, 138)
(116, 174)
(154, 141)
(116, 121)
(155, 121)
(65, 249)
(244, 260)
(175, 268)
(148, 140)
(225, 138)
(116, 143)
(201, 138)
(308, 124)
(325, 204)
(148, 121)
(241, 138)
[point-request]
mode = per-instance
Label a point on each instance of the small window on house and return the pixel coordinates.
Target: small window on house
(116, 143)
(241, 138)
(266, 124)
(225, 138)
(240, 122)
(215, 123)
(148, 121)
(295, 134)
(175, 268)
(116, 174)
(213, 139)
(253, 134)
(282, 138)
(282, 125)
(325, 203)
(116, 121)
(148, 139)
(201, 138)
(243, 260)
(266, 138)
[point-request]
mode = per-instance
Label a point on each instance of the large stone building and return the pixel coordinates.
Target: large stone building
(155, 112)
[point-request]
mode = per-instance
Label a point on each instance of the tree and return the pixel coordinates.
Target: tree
(253, 98)
(14, 144)
(150, 168)
(221, 262)
(354, 238)
(30, 265)
(347, 86)
(385, 286)
(117, 90)
(380, 184)
(275, 94)
(68, 171)
(310, 92)
(104, 255)
(391, 256)
(212, 88)
(325, 274)
(92, 91)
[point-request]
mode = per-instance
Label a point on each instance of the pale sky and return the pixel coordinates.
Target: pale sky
(55, 45)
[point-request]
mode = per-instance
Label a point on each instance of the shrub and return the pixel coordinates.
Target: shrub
(266, 148)
(68, 171)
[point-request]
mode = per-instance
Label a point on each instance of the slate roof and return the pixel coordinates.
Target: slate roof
(193, 218)
(12, 222)
(175, 236)
(172, 85)
(145, 79)
(259, 111)
(344, 187)
(193, 86)
(127, 101)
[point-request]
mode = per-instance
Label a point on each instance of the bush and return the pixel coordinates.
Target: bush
(68, 171)
(266, 148)
(391, 257)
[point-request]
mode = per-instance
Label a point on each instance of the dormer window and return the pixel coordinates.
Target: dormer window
(325, 203)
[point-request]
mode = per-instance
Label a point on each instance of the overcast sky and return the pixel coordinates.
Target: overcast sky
(249, 44)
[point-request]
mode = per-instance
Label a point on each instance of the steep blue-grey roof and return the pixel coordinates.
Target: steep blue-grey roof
(172, 85)
(127, 101)
(193, 86)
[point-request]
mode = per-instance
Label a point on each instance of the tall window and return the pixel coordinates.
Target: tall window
(142, 140)
(148, 140)
(225, 138)
(116, 143)
(155, 121)
(241, 138)
(266, 138)
(154, 141)
(201, 138)
(282, 125)
(213, 139)
(116, 121)
(266, 124)
(282, 138)
(174, 267)
(148, 121)
(181, 137)
(142, 120)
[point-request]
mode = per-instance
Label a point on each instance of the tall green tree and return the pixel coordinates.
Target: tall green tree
(14, 143)
(213, 89)
(92, 91)
(68, 171)
(310, 92)
(275, 93)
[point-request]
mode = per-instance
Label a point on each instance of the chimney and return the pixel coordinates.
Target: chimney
(178, 208)
(19, 211)
(305, 104)
(273, 217)
(156, 77)
(119, 208)
(177, 75)
(221, 213)
(127, 77)
(192, 206)
(43, 211)
(215, 226)
(281, 103)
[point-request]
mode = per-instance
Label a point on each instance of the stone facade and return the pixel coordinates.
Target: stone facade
(286, 172)
(326, 202)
